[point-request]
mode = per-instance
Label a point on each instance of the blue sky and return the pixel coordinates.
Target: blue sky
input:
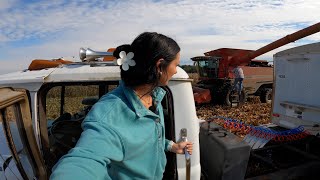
(46, 29)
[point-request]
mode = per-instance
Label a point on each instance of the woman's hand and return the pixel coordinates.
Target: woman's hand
(179, 147)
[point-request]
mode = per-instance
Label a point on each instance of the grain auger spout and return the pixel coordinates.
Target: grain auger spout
(239, 59)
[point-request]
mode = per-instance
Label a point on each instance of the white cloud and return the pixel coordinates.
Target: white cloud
(5, 4)
(60, 28)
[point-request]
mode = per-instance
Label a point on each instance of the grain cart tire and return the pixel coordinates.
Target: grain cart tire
(228, 97)
(266, 96)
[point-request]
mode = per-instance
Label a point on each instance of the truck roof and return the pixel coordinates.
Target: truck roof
(309, 48)
(75, 72)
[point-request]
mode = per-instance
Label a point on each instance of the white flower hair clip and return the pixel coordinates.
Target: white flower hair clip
(126, 60)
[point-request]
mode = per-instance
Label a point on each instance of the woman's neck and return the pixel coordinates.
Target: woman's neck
(143, 90)
(144, 94)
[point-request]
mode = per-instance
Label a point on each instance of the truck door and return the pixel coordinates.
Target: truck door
(19, 154)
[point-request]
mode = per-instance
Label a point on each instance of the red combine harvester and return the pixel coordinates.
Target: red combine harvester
(216, 77)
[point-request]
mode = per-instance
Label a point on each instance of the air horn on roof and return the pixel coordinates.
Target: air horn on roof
(91, 55)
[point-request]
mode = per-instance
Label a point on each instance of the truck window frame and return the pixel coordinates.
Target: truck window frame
(42, 95)
(18, 101)
(167, 103)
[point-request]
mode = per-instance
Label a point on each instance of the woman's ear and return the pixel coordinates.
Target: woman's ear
(158, 64)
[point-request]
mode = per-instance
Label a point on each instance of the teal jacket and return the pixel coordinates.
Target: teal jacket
(121, 139)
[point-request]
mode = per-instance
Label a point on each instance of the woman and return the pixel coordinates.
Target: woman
(124, 136)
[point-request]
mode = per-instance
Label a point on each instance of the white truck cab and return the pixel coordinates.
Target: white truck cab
(42, 110)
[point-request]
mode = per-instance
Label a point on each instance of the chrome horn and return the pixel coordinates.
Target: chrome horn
(90, 55)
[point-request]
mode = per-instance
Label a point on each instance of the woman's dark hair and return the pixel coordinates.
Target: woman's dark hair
(148, 48)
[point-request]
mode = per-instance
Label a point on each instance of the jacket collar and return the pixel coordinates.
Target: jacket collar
(140, 110)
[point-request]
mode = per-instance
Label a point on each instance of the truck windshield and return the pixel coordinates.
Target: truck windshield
(208, 68)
